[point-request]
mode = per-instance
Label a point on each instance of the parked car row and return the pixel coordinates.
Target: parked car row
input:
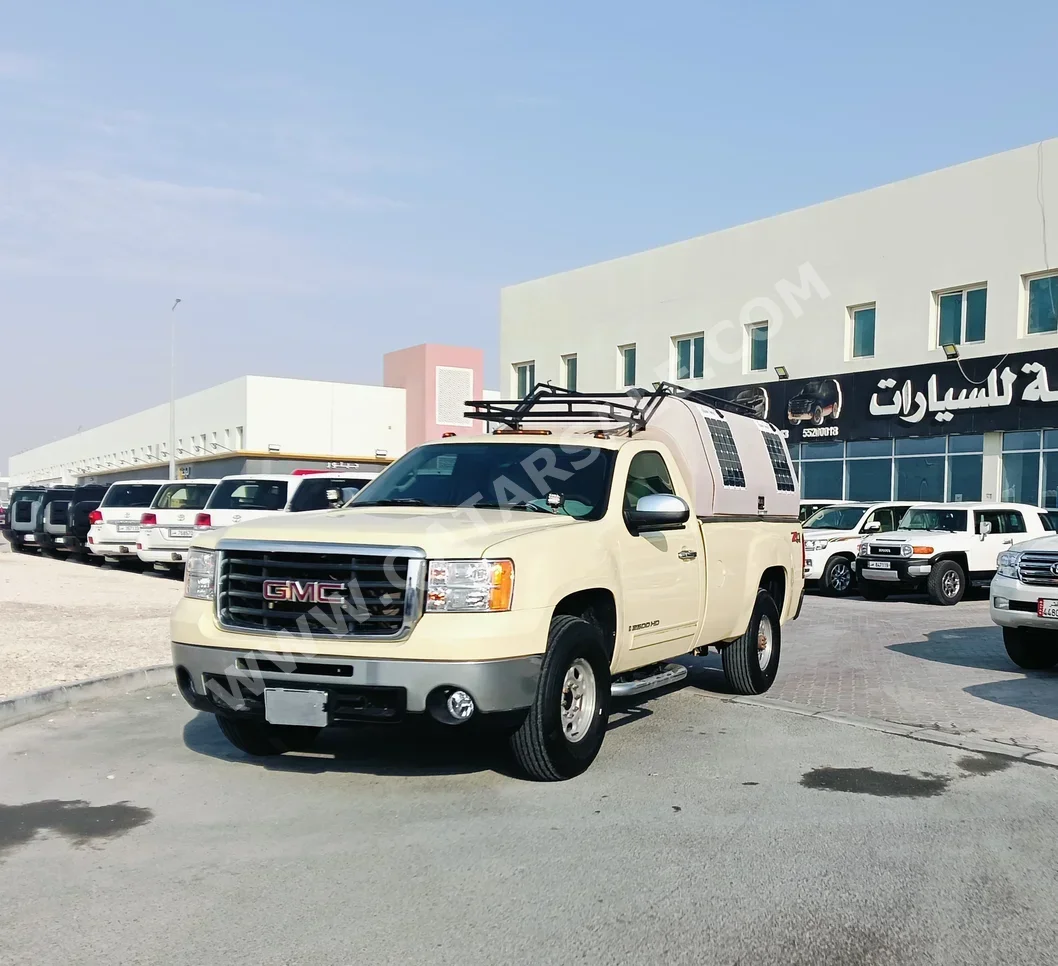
(154, 521)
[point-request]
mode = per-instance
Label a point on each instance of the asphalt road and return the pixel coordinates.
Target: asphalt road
(707, 832)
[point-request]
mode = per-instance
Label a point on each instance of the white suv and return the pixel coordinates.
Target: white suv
(168, 525)
(942, 548)
(115, 524)
(1023, 600)
(832, 536)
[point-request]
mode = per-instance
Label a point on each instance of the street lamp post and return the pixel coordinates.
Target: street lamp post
(172, 390)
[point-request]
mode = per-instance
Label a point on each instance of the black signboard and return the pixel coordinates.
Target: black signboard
(982, 395)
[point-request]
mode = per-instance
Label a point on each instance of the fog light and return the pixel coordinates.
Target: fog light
(460, 705)
(1001, 603)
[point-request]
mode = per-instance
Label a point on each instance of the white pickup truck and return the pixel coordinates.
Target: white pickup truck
(943, 548)
(519, 580)
(1023, 600)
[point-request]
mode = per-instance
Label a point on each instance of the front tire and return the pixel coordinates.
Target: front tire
(817, 416)
(564, 729)
(260, 739)
(1030, 649)
(838, 579)
(752, 661)
(946, 584)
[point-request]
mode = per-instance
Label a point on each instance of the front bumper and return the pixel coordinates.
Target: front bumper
(1021, 603)
(908, 571)
(223, 681)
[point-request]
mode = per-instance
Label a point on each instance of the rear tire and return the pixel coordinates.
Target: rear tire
(838, 580)
(564, 730)
(1030, 649)
(869, 590)
(260, 739)
(752, 661)
(817, 416)
(946, 584)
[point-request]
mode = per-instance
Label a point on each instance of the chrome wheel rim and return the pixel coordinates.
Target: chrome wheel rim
(841, 577)
(579, 700)
(765, 642)
(950, 583)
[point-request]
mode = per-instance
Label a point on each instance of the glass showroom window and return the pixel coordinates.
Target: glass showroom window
(961, 316)
(525, 378)
(863, 331)
(1030, 467)
(569, 366)
(1043, 304)
(869, 469)
(628, 365)
(758, 347)
(822, 470)
(920, 468)
(965, 466)
(690, 357)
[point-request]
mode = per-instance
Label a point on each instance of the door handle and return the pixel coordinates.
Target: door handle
(688, 554)
(1008, 543)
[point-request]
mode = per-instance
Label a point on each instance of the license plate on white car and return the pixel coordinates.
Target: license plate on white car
(181, 534)
(288, 706)
(879, 565)
(31, 538)
(1046, 608)
(128, 527)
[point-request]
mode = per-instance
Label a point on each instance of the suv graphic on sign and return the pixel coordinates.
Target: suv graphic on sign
(754, 399)
(818, 399)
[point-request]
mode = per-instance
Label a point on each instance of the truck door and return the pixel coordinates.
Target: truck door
(1007, 525)
(661, 573)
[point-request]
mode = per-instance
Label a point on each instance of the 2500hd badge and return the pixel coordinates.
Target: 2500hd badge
(639, 627)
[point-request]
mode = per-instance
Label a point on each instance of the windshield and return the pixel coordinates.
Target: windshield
(836, 518)
(131, 494)
(934, 518)
(184, 496)
(519, 476)
(325, 493)
(249, 495)
(810, 388)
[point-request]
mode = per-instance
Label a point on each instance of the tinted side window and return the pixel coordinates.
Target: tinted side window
(647, 474)
(1046, 522)
(988, 516)
(1011, 522)
(885, 518)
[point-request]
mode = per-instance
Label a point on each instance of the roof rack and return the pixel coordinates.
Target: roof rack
(553, 404)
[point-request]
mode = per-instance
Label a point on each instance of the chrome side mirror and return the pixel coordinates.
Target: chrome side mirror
(658, 511)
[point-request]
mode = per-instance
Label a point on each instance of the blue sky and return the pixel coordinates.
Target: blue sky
(324, 181)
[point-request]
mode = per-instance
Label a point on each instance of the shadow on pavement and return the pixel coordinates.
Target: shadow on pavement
(980, 647)
(1036, 693)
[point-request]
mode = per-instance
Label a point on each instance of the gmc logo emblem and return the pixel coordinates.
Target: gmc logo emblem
(306, 591)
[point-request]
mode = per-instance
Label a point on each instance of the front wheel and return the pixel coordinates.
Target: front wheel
(817, 416)
(260, 739)
(564, 729)
(946, 584)
(752, 661)
(837, 576)
(1030, 649)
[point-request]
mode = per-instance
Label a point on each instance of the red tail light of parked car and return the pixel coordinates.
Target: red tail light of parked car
(149, 520)
(94, 517)
(203, 520)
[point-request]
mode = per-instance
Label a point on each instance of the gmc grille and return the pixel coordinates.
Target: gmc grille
(885, 549)
(382, 594)
(1035, 567)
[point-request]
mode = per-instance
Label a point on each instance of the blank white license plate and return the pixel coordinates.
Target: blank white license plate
(128, 527)
(1046, 608)
(286, 706)
(879, 565)
(180, 534)
(31, 538)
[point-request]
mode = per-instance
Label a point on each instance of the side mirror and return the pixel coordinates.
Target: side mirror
(986, 528)
(873, 527)
(658, 511)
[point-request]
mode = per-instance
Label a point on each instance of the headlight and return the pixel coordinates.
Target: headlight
(905, 550)
(469, 586)
(1007, 563)
(861, 550)
(200, 574)
(811, 545)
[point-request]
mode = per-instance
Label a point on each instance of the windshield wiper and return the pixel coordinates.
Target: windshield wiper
(524, 505)
(395, 501)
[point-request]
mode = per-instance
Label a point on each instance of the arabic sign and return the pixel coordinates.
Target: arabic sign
(984, 395)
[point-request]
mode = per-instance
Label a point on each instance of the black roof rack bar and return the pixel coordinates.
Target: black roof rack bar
(555, 404)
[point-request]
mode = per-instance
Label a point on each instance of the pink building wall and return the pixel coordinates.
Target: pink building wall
(437, 379)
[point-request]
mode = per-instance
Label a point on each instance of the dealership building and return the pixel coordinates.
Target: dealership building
(903, 339)
(262, 424)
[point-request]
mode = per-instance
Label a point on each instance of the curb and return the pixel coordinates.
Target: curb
(38, 703)
(985, 746)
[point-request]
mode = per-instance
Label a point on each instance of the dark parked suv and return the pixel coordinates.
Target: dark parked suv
(20, 527)
(818, 399)
(65, 518)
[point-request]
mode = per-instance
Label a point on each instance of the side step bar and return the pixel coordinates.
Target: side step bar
(669, 674)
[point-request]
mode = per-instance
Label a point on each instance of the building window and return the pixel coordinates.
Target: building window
(1030, 468)
(1043, 304)
(758, 346)
(525, 378)
(238, 438)
(569, 370)
(961, 316)
(690, 357)
(862, 331)
(628, 365)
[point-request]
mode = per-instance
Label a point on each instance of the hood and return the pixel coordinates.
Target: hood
(831, 533)
(439, 531)
(913, 536)
(1049, 542)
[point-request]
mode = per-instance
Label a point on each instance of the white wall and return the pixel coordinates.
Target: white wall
(324, 418)
(246, 415)
(895, 246)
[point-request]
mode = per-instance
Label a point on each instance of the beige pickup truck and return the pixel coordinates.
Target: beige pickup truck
(519, 580)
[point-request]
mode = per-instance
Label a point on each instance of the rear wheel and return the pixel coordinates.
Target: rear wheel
(1031, 649)
(258, 738)
(564, 729)
(946, 584)
(817, 416)
(752, 661)
(837, 576)
(871, 590)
